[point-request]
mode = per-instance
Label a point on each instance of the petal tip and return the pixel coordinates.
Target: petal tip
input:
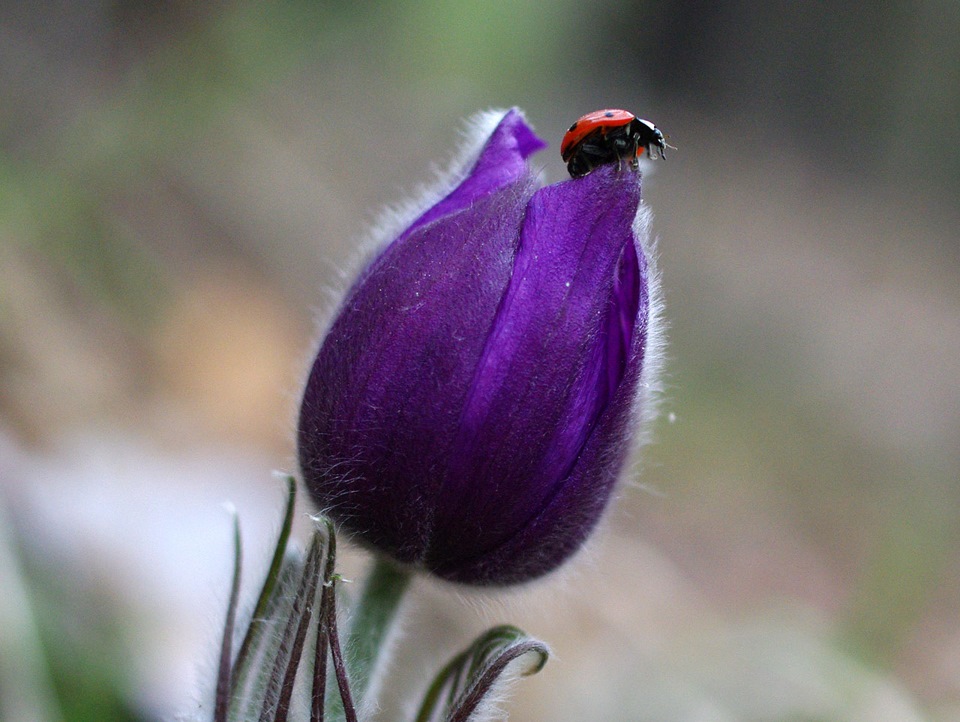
(528, 142)
(508, 129)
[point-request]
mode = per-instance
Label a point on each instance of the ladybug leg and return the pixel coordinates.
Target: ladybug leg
(588, 157)
(578, 166)
(585, 160)
(622, 149)
(596, 152)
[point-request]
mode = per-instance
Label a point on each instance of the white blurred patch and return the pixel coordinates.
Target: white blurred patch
(147, 528)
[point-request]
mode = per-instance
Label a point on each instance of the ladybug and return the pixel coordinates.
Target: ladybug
(605, 136)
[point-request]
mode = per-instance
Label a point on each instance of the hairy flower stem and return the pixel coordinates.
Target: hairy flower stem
(276, 699)
(318, 693)
(372, 618)
(339, 667)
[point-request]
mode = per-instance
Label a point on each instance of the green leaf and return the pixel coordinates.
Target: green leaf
(462, 689)
(276, 700)
(262, 681)
(255, 629)
(263, 639)
(225, 671)
(248, 696)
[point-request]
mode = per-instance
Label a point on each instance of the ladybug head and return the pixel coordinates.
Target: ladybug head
(648, 136)
(659, 141)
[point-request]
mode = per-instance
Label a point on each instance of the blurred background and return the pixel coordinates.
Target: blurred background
(181, 185)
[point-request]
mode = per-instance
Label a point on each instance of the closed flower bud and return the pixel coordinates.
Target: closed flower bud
(472, 404)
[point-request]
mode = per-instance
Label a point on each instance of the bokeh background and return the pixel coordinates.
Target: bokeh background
(181, 185)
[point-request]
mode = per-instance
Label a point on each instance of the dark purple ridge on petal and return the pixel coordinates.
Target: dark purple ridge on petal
(622, 317)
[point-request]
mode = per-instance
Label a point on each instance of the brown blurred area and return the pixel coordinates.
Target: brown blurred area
(184, 187)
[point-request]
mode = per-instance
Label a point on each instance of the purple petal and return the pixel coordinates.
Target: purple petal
(502, 162)
(381, 405)
(555, 382)
(562, 525)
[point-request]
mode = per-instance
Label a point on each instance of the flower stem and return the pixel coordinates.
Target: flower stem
(372, 619)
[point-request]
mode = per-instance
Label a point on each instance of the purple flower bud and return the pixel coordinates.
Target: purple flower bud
(472, 404)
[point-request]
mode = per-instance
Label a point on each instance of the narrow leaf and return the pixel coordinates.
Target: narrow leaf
(470, 701)
(339, 666)
(461, 687)
(255, 675)
(319, 692)
(272, 708)
(344, 708)
(257, 620)
(224, 685)
(312, 576)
